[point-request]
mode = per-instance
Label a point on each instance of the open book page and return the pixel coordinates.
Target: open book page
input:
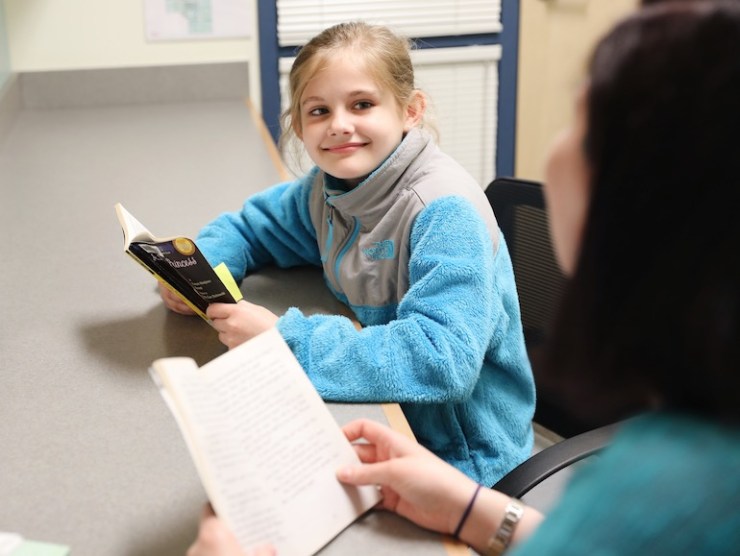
(265, 445)
(133, 230)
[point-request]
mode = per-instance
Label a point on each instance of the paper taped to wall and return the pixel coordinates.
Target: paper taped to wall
(197, 19)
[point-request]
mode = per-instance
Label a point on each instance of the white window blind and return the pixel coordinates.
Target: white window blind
(299, 20)
(462, 85)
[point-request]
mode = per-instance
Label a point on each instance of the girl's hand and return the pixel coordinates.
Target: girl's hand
(238, 322)
(173, 302)
(215, 539)
(415, 483)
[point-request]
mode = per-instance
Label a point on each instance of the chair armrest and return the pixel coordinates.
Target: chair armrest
(552, 459)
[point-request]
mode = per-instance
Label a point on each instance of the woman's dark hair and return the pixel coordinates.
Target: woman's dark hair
(651, 315)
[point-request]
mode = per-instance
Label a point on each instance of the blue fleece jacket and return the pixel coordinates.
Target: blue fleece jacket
(422, 264)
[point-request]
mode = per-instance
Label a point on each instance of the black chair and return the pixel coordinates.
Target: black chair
(520, 210)
(519, 207)
(527, 475)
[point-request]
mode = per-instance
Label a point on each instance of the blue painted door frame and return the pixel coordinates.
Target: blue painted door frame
(271, 52)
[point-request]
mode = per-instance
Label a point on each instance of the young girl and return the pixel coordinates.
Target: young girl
(642, 195)
(407, 239)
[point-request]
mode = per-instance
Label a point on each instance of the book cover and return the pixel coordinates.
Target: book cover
(178, 264)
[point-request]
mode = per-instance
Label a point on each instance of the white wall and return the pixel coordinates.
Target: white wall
(47, 35)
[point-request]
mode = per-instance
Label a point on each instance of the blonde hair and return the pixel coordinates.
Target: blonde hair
(386, 55)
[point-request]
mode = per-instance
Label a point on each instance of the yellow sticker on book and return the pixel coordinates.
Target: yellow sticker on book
(222, 272)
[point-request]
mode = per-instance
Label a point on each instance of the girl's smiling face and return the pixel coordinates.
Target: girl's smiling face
(349, 125)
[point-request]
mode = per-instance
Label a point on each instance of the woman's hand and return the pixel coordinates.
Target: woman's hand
(173, 302)
(238, 322)
(215, 539)
(415, 483)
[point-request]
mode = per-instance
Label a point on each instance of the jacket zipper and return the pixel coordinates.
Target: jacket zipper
(352, 236)
(326, 258)
(329, 235)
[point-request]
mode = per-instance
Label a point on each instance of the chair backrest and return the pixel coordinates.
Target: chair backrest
(520, 210)
(519, 207)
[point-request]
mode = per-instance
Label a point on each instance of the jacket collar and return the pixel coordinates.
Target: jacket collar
(375, 194)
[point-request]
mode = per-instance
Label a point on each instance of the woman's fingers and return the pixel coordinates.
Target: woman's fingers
(367, 453)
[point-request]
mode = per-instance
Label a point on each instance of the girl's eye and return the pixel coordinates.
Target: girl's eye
(317, 111)
(363, 105)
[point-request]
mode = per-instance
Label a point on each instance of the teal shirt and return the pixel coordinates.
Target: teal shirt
(667, 485)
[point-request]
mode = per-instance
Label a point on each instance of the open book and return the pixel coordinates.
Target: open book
(179, 265)
(265, 445)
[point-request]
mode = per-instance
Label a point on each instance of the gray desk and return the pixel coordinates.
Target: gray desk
(89, 455)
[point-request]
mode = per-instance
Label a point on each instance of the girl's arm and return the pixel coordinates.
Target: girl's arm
(273, 226)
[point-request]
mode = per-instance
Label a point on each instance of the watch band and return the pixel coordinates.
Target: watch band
(500, 540)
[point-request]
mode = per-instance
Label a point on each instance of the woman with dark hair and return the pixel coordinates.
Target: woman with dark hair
(654, 295)
(642, 194)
